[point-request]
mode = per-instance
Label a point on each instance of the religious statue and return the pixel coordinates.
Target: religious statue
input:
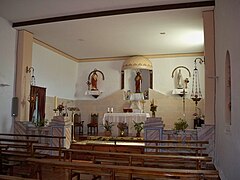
(138, 82)
(179, 80)
(94, 79)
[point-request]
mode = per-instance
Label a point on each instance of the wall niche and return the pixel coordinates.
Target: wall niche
(132, 67)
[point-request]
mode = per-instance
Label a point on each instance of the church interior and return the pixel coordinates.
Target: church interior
(119, 90)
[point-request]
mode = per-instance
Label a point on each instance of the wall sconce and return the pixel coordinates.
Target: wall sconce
(31, 71)
(3, 83)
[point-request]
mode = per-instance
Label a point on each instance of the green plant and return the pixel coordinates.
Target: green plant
(108, 126)
(41, 123)
(181, 124)
(138, 126)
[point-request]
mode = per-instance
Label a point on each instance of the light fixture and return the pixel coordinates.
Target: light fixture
(4, 85)
(31, 71)
(196, 95)
(3, 82)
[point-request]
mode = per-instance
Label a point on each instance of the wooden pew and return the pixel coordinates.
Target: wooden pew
(190, 142)
(136, 159)
(24, 144)
(177, 149)
(6, 177)
(43, 147)
(116, 170)
(2, 146)
(21, 146)
(16, 152)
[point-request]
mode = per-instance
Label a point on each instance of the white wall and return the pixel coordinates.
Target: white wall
(111, 84)
(227, 36)
(55, 72)
(8, 37)
(162, 71)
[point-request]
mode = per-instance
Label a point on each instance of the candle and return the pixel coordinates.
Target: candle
(111, 110)
(55, 102)
(108, 110)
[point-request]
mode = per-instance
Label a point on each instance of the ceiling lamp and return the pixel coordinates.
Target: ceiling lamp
(137, 62)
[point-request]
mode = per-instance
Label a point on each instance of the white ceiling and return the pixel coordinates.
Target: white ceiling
(119, 35)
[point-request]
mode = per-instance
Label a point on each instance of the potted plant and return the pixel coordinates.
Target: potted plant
(122, 128)
(181, 124)
(138, 126)
(198, 118)
(108, 128)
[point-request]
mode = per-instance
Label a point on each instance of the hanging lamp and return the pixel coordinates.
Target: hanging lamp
(196, 94)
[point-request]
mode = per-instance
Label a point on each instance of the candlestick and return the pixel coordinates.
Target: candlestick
(55, 99)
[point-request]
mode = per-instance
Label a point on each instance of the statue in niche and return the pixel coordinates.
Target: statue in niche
(180, 82)
(92, 82)
(94, 79)
(138, 82)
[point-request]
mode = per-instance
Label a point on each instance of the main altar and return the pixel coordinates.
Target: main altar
(128, 118)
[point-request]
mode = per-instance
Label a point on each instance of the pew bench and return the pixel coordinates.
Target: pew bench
(6, 177)
(16, 152)
(112, 171)
(189, 147)
(40, 147)
(196, 150)
(153, 160)
(44, 148)
(19, 147)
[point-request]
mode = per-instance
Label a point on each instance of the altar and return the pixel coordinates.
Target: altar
(125, 118)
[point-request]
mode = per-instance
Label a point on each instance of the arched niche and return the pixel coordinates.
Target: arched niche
(228, 89)
(129, 71)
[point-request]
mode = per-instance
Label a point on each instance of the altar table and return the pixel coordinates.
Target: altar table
(125, 118)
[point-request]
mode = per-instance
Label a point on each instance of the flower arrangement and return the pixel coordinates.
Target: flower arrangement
(60, 108)
(153, 108)
(181, 124)
(122, 128)
(198, 118)
(198, 115)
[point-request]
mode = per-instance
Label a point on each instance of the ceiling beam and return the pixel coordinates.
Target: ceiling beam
(116, 12)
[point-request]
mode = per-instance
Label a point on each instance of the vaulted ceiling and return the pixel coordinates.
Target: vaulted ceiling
(166, 30)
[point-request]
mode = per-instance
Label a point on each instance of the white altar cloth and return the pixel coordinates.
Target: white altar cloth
(126, 118)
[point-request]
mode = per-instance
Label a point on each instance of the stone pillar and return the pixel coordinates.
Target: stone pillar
(24, 59)
(210, 72)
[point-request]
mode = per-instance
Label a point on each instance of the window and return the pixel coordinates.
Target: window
(228, 89)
